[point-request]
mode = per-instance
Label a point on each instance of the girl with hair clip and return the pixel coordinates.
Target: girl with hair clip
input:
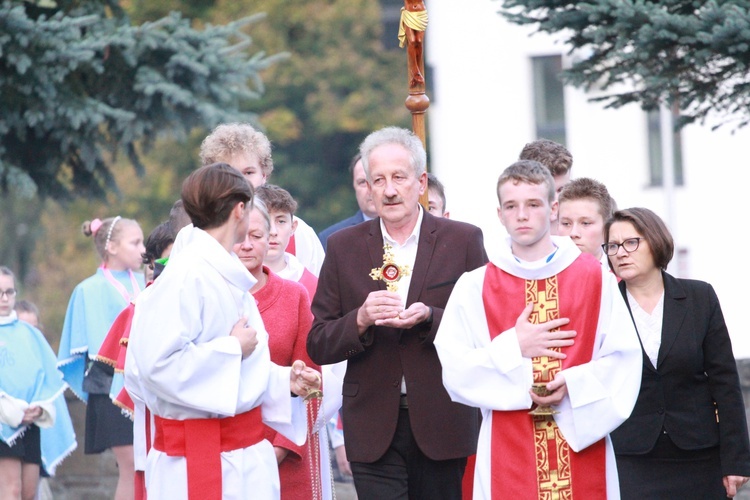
(93, 307)
(114, 349)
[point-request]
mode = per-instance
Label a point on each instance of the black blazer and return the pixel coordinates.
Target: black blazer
(696, 377)
(377, 361)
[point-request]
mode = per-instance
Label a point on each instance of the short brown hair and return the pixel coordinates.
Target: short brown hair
(585, 188)
(277, 199)
(529, 172)
(28, 307)
(434, 184)
(232, 138)
(353, 163)
(210, 193)
(158, 240)
(651, 228)
(551, 154)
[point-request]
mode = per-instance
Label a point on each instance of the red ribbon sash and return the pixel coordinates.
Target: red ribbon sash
(201, 442)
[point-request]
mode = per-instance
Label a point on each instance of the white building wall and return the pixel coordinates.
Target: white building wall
(482, 115)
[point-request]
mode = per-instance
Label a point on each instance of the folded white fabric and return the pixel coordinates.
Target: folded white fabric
(11, 409)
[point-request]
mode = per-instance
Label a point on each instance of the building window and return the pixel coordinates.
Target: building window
(391, 16)
(656, 165)
(549, 99)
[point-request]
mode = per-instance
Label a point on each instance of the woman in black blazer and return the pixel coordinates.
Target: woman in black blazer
(687, 436)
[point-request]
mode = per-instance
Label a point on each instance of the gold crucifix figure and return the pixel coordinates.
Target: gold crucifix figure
(390, 272)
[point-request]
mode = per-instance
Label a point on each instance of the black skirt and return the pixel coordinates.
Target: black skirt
(106, 426)
(27, 447)
(670, 472)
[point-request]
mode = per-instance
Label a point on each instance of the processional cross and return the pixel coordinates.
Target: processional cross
(411, 33)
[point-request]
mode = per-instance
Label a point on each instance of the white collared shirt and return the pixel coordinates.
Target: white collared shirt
(404, 255)
(649, 326)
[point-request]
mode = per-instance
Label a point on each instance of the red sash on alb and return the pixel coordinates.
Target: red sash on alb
(201, 442)
(522, 443)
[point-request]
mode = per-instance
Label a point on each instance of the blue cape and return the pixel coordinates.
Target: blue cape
(28, 371)
(92, 309)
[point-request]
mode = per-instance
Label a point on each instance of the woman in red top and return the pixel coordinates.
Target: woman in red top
(285, 308)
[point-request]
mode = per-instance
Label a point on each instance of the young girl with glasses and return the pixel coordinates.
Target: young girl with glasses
(35, 427)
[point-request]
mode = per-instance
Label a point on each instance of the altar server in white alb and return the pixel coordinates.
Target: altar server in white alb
(501, 333)
(198, 358)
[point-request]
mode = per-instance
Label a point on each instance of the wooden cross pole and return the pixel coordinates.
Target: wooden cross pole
(411, 32)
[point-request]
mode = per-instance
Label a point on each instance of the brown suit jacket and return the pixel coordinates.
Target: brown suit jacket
(377, 360)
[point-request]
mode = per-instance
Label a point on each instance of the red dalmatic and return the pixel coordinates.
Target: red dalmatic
(521, 442)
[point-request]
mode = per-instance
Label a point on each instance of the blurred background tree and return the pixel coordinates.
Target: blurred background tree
(339, 83)
(80, 84)
(83, 95)
(102, 78)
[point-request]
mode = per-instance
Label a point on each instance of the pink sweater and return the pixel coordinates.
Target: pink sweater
(285, 308)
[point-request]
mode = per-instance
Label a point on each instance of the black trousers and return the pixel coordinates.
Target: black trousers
(404, 472)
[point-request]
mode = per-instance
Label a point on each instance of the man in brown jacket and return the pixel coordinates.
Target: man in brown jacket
(380, 298)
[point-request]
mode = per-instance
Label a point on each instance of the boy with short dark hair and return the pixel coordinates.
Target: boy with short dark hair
(556, 158)
(436, 197)
(500, 336)
(584, 206)
(281, 207)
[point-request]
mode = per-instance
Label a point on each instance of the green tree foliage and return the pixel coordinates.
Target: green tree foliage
(79, 83)
(338, 84)
(694, 53)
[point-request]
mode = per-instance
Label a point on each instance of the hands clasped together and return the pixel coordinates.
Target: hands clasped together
(304, 380)
(31, 415)
(383, 308)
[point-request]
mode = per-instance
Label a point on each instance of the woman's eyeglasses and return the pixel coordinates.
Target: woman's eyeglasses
(630, 245)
